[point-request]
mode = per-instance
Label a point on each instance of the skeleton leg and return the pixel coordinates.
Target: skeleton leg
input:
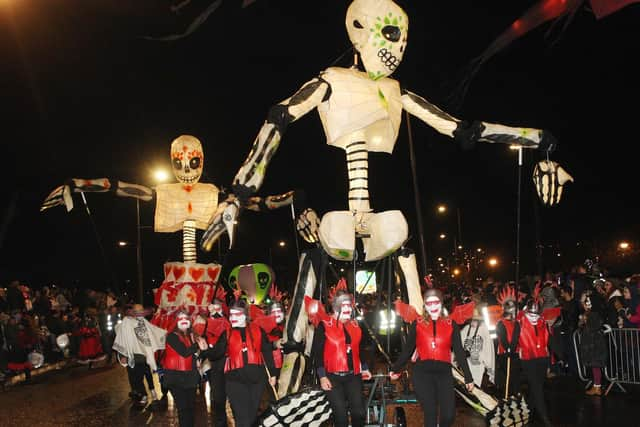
(297, 328)
(407, 262)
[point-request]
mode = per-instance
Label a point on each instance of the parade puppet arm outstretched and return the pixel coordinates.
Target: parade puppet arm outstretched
(468, 133)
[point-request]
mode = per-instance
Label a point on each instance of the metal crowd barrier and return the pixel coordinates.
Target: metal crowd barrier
(623, 361)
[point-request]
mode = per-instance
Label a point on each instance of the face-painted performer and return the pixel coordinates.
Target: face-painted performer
(216, 329)
(277, 311)
(361, 112)
(433, 337)
(137, 341)
(508, 332)
(337, 348)
(248, 351)
(534, 353)
(181, 375)
(478, 345)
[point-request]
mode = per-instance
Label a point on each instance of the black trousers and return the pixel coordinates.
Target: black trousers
(346, 396)
(185, 400)
(245, 401)
(218, 394)
(501, 375)
(434, 390)
(136, 378)
(535, 370)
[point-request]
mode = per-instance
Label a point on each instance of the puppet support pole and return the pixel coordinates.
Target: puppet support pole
(519, 148)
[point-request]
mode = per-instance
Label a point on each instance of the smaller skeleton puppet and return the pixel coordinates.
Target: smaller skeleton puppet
(187, 205)
(549, 179)
(361, 112)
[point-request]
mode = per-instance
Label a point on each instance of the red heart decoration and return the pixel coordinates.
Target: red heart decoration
(167, 270)
(178, 272)
(213, 273)
(196, 273)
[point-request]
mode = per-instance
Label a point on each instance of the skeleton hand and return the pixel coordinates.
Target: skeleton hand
(224, 219)
(307, 225)
(59, 196)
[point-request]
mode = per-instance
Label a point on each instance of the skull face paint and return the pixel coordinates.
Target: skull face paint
(237, 318)
(433, 305)
(345, 311)
(215, 310)
(378, 30)
(533, 318)
(186, 159)
(183, 322)
(278, 314)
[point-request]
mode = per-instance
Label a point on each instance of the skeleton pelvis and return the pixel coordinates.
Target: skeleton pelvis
(382, 233)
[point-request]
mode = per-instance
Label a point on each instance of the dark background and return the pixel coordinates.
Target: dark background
(84, 95)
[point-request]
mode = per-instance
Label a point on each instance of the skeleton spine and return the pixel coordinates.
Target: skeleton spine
(358, 172)
(189, 241)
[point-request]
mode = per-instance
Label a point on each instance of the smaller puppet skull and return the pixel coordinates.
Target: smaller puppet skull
(549, 177)
(378, 31)
(187, 158)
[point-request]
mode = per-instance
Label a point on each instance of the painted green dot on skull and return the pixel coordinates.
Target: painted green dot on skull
(386, 20)
(395, 21)
(378, 26)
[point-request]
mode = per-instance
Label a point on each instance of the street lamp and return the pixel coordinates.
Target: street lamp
(493, 262)
(160, 175)
(442, 209)
(282, 243)
(623, 246)
(122, 243)
(443, 236)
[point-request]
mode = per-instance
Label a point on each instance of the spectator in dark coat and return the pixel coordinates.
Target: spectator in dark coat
(15, 298)
(593, 346)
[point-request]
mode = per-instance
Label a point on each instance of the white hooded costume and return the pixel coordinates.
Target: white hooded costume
(136, 335)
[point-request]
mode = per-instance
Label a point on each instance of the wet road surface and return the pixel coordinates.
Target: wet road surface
(85, 397)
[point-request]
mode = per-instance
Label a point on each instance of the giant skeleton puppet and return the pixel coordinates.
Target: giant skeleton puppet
(361, 112)
(186, 205)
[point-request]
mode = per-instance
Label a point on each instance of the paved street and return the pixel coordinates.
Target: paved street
(85, 397)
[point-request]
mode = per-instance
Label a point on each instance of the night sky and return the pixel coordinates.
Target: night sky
(85, 95)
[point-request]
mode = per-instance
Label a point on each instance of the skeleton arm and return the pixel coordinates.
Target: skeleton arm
(62, 194)
(250, 176)
(468, 133)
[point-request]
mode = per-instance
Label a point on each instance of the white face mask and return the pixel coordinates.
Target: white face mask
(237, 318)
(214, 309)
(184, 323)
(278, 314)
(433, 305)
(533, 318)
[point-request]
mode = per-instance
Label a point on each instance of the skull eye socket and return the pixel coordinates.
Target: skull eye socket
(391, 33)
(357, 24)
(177, 164)
(194, 163)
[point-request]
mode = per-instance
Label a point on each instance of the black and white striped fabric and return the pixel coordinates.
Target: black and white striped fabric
(510, 412)
(308, 408)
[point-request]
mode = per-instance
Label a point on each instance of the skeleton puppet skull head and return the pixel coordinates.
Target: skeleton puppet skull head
(187, 158)
(378, 31)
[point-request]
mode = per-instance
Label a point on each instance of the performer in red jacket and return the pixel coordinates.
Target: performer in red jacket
(216, 330)
(248, 351)
(433, 337)
(337, 347)
(181, 375)
(508, 332)
(534, 355)
(276, 309)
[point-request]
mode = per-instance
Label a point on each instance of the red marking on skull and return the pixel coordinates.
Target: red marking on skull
(106, 183)
(190, 208)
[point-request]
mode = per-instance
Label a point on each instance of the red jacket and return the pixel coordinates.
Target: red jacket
(252, 346)
(277, 352)
(533, 339)
(509, 326)
(336, 350)
(173, 361)
(433, 339)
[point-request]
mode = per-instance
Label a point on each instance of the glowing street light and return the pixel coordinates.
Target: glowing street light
(624, 246)
(479, 250)
(493, 262)
(282, 243)
(456, 271)
(160, 175)
(122, 243)
(443, 236)
(442, 209)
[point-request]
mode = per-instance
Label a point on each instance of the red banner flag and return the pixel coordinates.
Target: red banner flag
(602, 8)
